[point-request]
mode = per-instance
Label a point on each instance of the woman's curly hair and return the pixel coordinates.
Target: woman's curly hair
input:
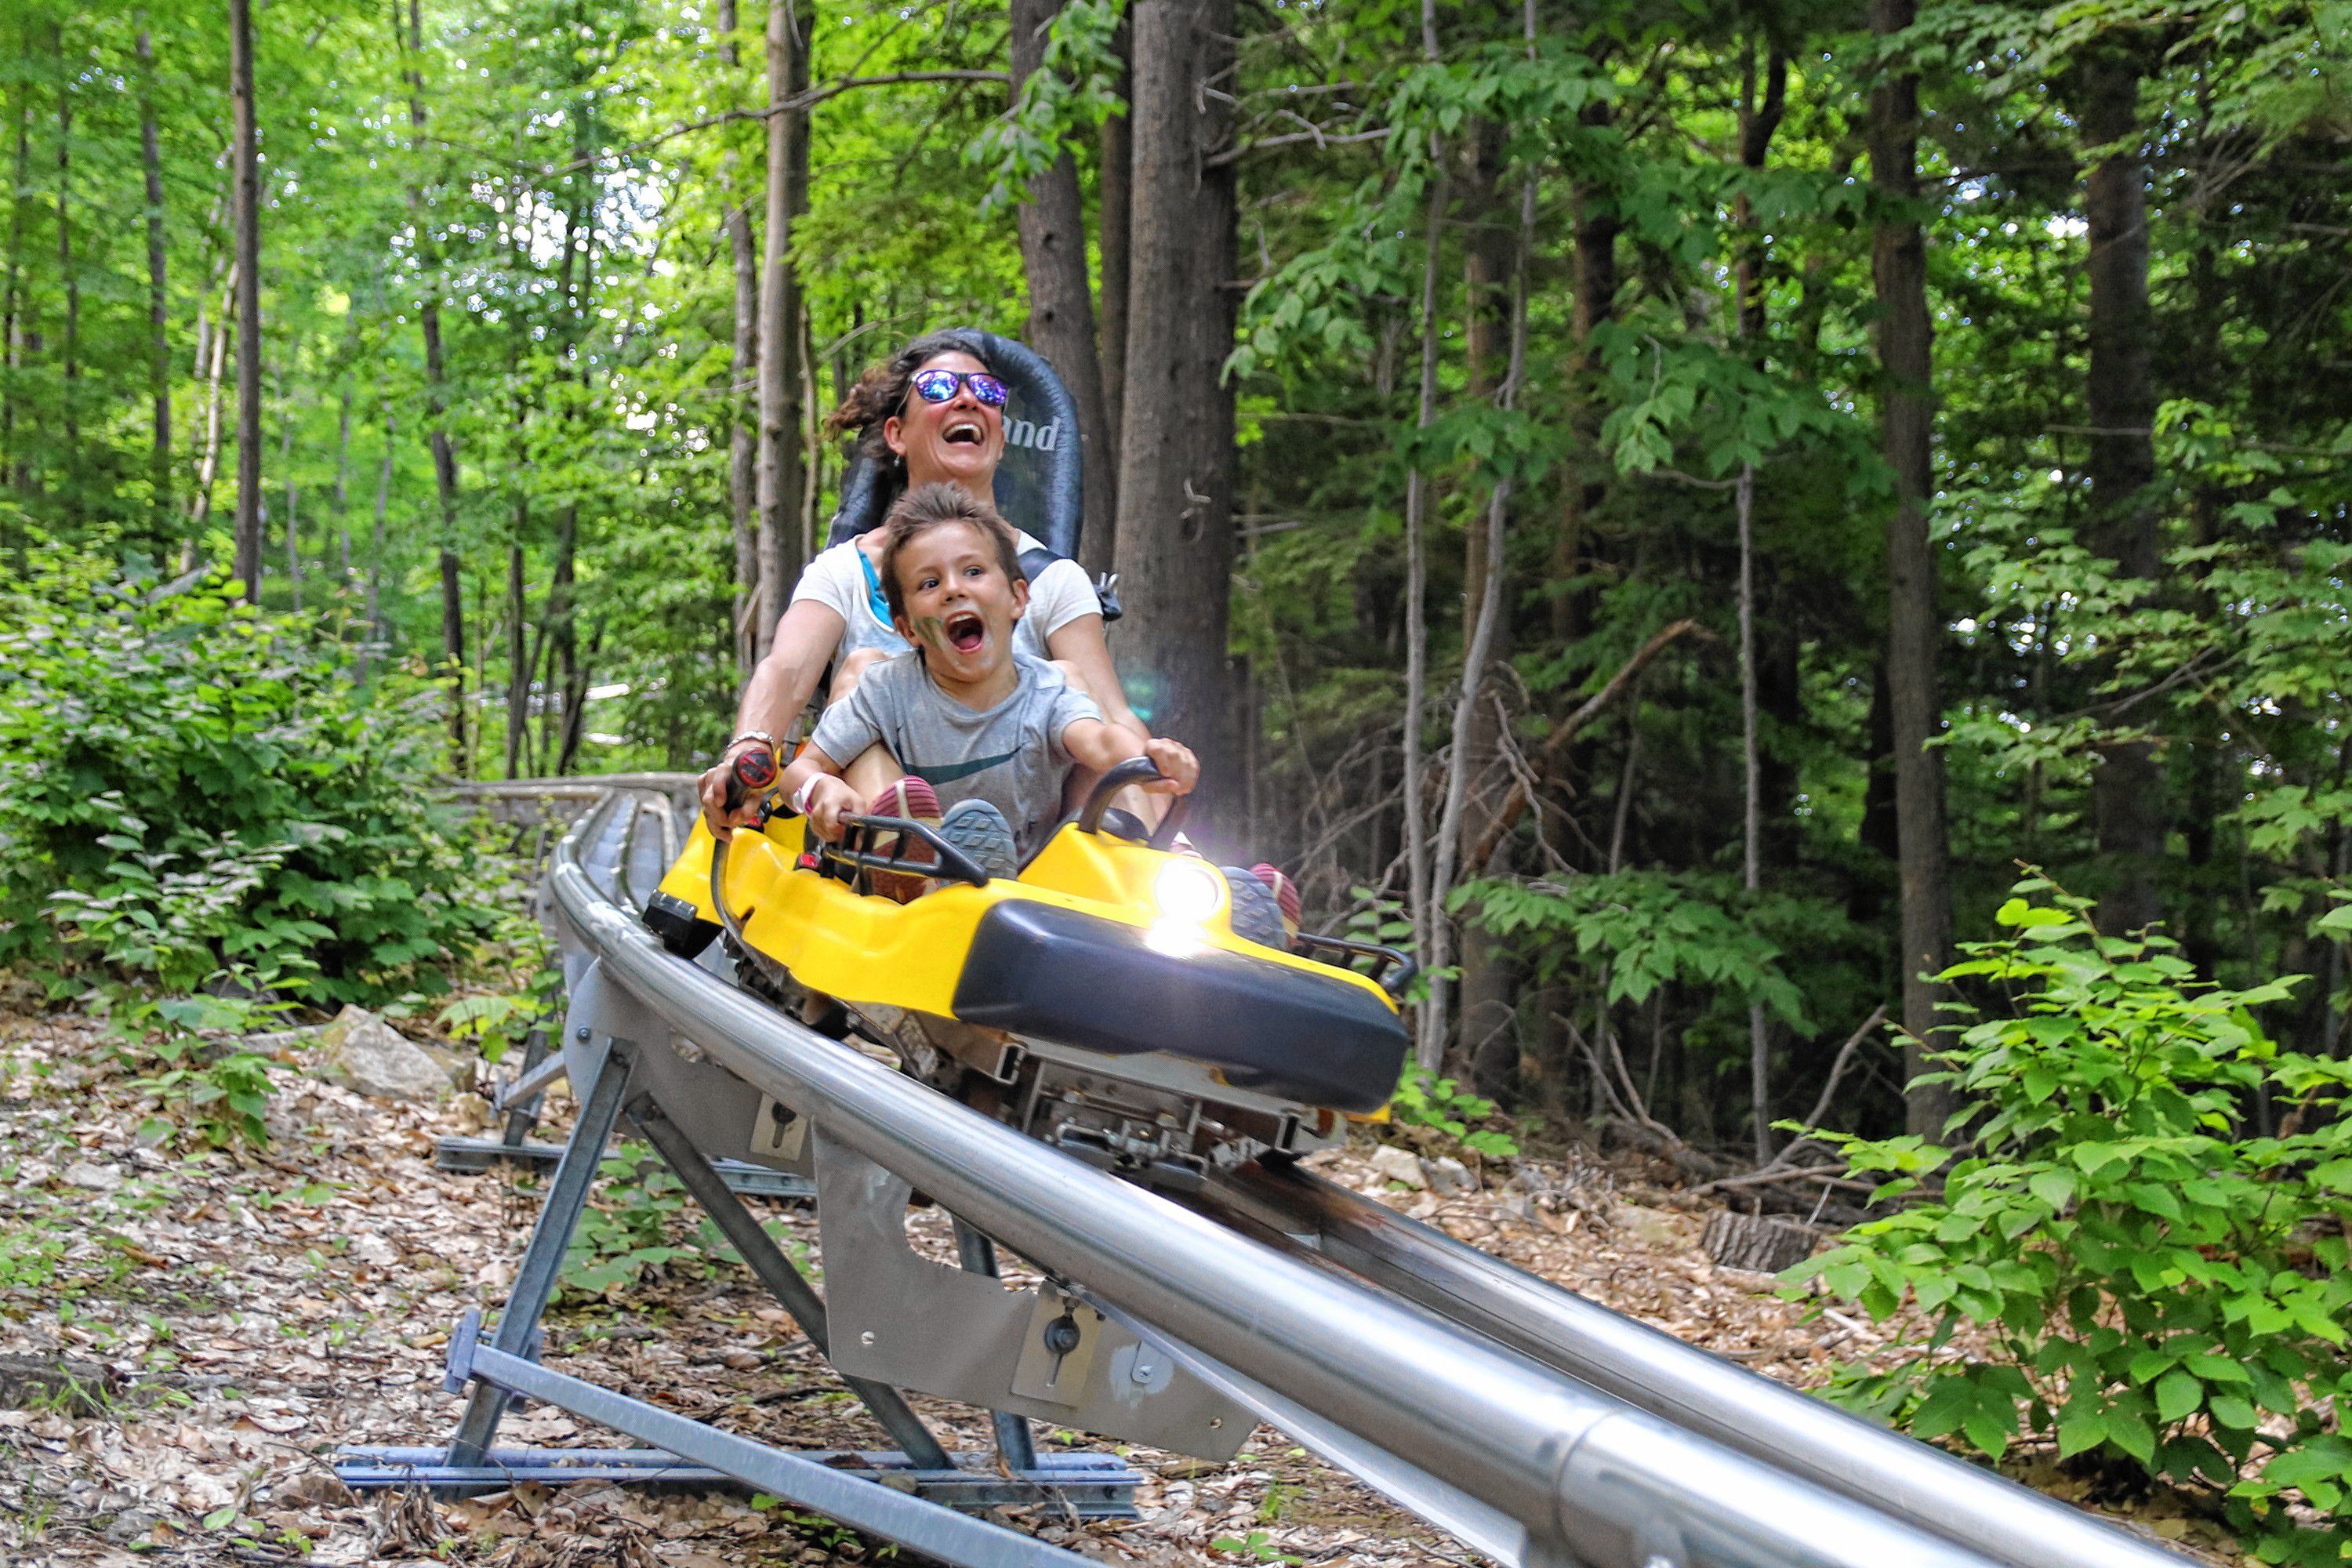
(881, 391)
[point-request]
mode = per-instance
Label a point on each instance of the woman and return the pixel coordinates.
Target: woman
(934, 412)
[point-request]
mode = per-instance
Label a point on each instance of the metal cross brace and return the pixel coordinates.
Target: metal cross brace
(912, 1521)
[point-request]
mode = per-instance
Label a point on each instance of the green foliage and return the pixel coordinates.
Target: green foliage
(1651, 928)
(2152, 1280)
(193, 796)
(1425, 1100)
(1253, 1548)
(625, 1234)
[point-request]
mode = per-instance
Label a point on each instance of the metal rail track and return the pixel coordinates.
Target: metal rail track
(1539, 1428)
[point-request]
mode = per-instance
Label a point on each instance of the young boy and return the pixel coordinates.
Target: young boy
(983, 735)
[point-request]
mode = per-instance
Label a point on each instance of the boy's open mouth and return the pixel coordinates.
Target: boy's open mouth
(966, 631)
(963, 433)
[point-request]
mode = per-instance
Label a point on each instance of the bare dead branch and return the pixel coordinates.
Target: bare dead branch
(1555, 746)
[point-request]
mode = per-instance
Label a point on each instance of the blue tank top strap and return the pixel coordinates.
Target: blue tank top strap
(875, 599)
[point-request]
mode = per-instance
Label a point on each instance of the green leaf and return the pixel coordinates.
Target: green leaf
(2177, 1394)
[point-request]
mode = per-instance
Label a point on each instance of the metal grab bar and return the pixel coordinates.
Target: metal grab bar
(1585, 1478)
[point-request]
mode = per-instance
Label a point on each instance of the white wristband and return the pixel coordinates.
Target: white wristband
(801, 795)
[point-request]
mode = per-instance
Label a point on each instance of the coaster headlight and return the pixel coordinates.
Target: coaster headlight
(1188, 891)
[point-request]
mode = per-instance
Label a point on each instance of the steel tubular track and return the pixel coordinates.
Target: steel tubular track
(1657, 1372)
(1584, 1476)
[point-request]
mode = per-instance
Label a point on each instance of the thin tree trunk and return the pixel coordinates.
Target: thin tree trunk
(445, 456)
(1445, 852)
(70, 393)
(1175, 542)
(780, 475)
(377, 632)
(208, 465)
(341, 496)
(293, 496)
(1758, 121)
(1914, 624)
(1416, 549)
(1114, 238)
(159, 352)
(743, 369)
(12, 338)
(518, 666)
(245, 220)
(1053, 227)
(1487, 991)
(2127, 786)
(1760, 1060)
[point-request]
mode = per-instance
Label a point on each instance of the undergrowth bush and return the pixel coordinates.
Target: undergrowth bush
(196, 798)
(2153, 1284)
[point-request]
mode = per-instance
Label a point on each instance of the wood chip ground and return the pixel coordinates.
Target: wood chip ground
(184, 1335)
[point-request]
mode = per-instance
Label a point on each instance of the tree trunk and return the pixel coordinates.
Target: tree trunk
(1416, 547)
(742, 368)
(293, 496)
(1416, 593)
(246, 219)
(563, 644)
(518, 660)
(445, 456)
(1594, 303)
(340, 498)
(1175, 534)
(780, 475)
(2127, 786)
(1061, 305)
(1914, 624)
(1758, 121)
(12, 339)
(1480, 647)
(376, 631)
(1113, 232)
(159, 352)
(1488, 989)
(70, 344)
(208, 464)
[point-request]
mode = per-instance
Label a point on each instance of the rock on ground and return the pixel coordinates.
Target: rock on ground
(363, 1051)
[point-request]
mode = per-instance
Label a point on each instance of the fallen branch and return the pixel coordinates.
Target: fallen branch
(1554, 747)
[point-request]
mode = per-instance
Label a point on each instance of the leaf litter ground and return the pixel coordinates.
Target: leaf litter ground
(185, 1335)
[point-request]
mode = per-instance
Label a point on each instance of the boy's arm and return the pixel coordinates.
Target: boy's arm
(828, 797)
(1095, 744)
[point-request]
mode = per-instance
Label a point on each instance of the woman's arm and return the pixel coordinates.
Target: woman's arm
(779, 688)
(1079, 643)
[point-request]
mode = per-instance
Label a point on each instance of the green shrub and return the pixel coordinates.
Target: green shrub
(1425, 1100)
(195, 796)
(2151, 1281)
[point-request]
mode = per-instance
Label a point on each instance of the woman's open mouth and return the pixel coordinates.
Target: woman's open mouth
(966, 631)
(964, 432)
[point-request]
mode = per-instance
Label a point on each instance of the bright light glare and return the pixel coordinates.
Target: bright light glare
(1188, 891)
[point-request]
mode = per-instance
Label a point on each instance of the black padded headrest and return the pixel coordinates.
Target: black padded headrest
(1038, 482)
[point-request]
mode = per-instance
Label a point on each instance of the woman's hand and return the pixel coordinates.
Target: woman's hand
(1180, 769)
(721, 782)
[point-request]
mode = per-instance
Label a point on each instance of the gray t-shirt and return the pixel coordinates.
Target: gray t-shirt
(1010, 755)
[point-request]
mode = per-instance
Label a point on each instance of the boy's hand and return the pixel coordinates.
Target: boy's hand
(727, 804)
(829, 799)
(1180, 769)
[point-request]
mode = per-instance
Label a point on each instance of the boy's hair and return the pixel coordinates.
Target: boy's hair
(927, 507)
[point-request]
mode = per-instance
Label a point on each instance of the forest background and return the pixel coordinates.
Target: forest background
(1661, 508)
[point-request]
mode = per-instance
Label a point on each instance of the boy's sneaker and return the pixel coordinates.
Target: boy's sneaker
(914, 799)
(1286, 895)
(979, 830)
(1255, 916)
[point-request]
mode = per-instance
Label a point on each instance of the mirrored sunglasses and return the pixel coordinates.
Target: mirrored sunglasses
(939, 385)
